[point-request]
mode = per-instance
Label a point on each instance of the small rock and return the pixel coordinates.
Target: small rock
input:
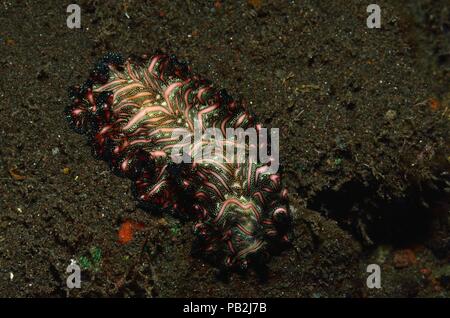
(390, 115)
(163, 222)
(55, 151)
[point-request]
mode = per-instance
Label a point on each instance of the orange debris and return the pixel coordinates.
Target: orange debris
(127, 229)
(16, 175)
(10, 42)
(434, 104)
(256, 4)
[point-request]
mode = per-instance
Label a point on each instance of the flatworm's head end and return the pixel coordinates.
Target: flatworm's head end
(81, 112)
(112, 58)
(77, 112)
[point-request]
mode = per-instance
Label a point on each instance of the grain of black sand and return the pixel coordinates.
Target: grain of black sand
(364, 119)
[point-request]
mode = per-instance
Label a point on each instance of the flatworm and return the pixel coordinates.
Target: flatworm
(129, 110)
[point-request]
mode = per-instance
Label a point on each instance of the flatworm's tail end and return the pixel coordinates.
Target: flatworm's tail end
(238, 239)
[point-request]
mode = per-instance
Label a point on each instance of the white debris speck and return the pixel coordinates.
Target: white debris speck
(11, 276)
(293, 209)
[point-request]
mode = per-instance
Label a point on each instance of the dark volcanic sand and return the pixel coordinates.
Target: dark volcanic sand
(364, 124)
